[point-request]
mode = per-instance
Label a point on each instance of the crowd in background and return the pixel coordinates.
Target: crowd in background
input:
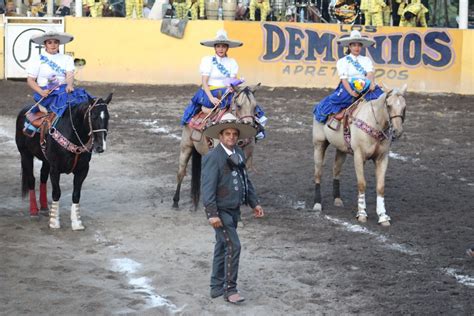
(440, 13)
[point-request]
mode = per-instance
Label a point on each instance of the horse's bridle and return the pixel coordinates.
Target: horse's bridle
(389, 129)
(88, 113)
(234, 105)
(89, 144)
(402, 116)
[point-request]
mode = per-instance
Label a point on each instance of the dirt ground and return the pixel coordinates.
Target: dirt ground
(139, 256)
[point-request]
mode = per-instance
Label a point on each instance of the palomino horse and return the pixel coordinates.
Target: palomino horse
(67, 148)
(372, 125)
(243, 106)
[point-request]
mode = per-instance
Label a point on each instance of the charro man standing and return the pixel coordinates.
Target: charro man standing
(225, 187)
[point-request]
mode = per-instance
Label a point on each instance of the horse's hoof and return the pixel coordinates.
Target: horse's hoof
(362, 218)
(338, 202)
(384, 220)
(77, 227)
(44, 211)
(175, 205)
(317, 207)
(54, 225)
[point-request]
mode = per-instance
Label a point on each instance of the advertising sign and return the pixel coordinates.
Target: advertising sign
(19, 49)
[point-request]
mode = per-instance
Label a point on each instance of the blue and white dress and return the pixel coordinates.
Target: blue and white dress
(349, 67)
(219, 70)
(50, 72)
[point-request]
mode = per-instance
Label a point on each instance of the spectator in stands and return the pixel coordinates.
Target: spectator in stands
(64, 9)
(38, 8)
(134, 5)
(180, 9)
(263, 6)
(195, 7)
(147, 5)
(373, 11)
(2, 7)
(412, 13)
(387, 12)
(242, 9)
(395, 16)
(96, 7)
(10, 9)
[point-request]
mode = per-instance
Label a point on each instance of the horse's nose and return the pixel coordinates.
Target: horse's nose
(397, 133)
(99, 149)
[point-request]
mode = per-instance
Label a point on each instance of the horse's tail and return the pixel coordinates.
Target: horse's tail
(196, 178)
(20, 142)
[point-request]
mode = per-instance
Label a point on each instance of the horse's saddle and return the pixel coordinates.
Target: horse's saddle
(40, 121)
(343, 116)
(335, 120)
(198, 122)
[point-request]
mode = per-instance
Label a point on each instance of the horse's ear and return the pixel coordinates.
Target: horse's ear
(109, 98)
(385, 87)
(255, 87)
(403, 89)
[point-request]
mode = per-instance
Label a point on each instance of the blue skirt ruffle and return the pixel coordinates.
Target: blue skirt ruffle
(339, 99)
(201, 99)
(58, 100)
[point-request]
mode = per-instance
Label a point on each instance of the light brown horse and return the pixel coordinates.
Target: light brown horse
(373, 126)
(192, 144)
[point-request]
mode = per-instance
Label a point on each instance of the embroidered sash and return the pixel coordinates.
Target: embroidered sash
(356, 65)
(52, 65)
(220, 67)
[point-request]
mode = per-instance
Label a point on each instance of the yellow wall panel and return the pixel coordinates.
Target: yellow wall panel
(467, 70)
(275, 54)
(2, 56)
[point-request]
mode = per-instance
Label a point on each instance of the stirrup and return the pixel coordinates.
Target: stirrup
(193, 138)
(28, 132)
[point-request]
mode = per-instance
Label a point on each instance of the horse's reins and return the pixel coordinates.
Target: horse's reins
(389, 121)
(70, 146)
(217, 105)
(378, 134)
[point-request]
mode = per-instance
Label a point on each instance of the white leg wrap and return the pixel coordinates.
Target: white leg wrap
(76, 223)
(381, 212)
(362, 213)
(54, 215)
(361, 203)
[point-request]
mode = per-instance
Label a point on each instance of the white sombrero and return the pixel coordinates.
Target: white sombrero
(63, 38)
(228, 120)
(356, 37)
(221, 38)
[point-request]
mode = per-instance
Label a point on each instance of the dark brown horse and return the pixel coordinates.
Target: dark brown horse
(68, 148)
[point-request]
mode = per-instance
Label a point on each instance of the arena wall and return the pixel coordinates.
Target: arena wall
(275, 54)
(2, 57)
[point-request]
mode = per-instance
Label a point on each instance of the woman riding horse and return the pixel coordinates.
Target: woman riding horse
(218, 79)
(217, 72)
(51, 76)
(356, 73)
